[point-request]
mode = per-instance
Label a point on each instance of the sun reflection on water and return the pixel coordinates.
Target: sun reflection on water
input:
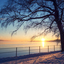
(43, 44)
(43, 41)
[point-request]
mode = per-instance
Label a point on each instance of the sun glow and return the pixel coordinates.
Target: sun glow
(43, 39)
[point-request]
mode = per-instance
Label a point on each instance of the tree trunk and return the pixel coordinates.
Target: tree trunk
(59, 24)
(60, 27)
(62, 41)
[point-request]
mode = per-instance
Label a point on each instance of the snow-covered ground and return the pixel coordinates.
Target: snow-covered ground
(51, 58)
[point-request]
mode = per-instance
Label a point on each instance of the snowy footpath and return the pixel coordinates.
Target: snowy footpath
(49, 58)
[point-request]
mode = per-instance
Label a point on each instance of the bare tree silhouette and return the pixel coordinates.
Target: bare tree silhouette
(48, 14)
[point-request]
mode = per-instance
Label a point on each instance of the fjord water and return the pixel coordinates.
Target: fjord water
(9, 50)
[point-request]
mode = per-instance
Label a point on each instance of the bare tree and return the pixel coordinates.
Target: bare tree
(48, 14)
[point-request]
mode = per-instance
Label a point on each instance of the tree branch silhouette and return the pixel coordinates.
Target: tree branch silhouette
(37, 13)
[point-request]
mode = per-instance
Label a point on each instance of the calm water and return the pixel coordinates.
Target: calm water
(9, 50)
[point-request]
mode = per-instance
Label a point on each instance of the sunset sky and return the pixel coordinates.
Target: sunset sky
(5, 33)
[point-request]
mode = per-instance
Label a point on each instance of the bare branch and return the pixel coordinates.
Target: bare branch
(45, 7)
(21, 19)
(60, 2)
(39, 34)
(17, 28)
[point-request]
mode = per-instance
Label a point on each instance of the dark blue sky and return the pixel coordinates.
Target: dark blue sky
(2, 2)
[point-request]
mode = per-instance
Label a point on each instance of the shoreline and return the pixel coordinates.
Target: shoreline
(2, 60)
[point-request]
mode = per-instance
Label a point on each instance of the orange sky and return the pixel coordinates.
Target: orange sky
(20, 35)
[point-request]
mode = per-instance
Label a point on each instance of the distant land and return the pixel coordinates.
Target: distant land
(57, 40)
(1, 40)
(4, 40)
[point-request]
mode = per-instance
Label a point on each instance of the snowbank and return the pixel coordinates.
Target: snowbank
(48, 58)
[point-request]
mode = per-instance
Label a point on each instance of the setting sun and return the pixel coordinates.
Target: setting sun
(43, 39)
